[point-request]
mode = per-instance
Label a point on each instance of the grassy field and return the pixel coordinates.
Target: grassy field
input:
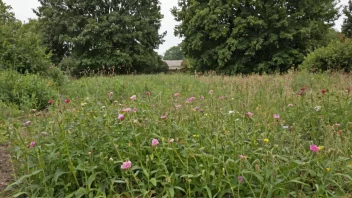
(186, 136)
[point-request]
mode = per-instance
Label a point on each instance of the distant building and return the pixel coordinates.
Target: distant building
(174, 64)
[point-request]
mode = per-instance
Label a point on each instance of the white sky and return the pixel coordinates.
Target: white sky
(23, 11)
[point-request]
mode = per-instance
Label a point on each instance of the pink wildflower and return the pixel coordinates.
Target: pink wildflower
(121, 117)
(249, 114)
(201, 97)
(135, 110)
(337, 124)
(240, 179)
(196, 109)
(51, 101)
(32, 144)
(163, 117)
(176, 94)
(133, 97)
(178, 106)
(276, 116)
(27, 123)
(147, 93)
(242, 157)
(126, 165)
(314, 148)
(190, 99)
(211, 92)
(155, 142)
(126, 110)
(222, 97)
(323, 91)
(111, 93)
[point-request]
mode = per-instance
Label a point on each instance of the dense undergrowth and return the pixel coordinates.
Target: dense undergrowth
(186, 136)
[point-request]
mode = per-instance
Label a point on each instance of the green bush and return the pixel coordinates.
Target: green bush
(56, 75)
(26, 91)
(336, 56)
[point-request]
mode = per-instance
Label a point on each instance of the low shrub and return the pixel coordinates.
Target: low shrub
(26, 91)
(336, 56)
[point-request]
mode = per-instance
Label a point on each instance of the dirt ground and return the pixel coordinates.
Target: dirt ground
(5, 167)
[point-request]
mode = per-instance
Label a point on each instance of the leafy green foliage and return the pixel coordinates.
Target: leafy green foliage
(103, 34)
(347, 23)
(27, 91)
(336, 56)
(81, 145)
(252, 36)
(20, 45)
(174, 53)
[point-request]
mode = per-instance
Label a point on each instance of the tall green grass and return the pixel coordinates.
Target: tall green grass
(207, 148)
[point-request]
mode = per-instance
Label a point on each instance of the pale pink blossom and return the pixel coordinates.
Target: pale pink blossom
(135, 110)
(133, 97)
(126, 165)
(126, 110)
(190, 99)
(163, 117)
(211, 92)
(177, 94)
(201, 97)
(276, 116)
(27, 123)
(337, 124)
(290, 105)
(121, 117)
(155, 142)
(242, 157)
(178, 106)
(196, 109)
(249, 114)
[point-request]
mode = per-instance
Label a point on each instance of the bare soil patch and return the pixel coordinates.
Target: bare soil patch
(5, 167)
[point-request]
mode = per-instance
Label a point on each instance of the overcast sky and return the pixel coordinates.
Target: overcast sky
(23, 11)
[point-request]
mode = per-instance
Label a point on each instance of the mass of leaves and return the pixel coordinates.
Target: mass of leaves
(103, 34)
(252, 36)
(347, 23)
(20, 45)
(174, 53)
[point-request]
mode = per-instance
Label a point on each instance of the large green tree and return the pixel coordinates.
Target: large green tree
(20, 45)
(100, 34)
(174, 53)
(252, 35)
(347, 23)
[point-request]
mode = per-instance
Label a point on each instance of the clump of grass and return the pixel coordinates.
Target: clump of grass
(216, 144)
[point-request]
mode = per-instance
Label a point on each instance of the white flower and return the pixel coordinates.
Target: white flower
(83, 104)
(317, 108)
(231, 112)
(285, 127)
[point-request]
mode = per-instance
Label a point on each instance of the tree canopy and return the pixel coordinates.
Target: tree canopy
(20, 45)
(251, 36)
(347, 23)
(101, 34)
(174, 53)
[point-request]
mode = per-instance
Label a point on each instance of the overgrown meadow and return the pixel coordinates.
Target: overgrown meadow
(187, 136)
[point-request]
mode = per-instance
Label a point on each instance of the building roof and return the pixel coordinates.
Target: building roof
(173, 64)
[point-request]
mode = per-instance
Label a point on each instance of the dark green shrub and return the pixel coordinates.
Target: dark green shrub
(336, 56)
(26, 91)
